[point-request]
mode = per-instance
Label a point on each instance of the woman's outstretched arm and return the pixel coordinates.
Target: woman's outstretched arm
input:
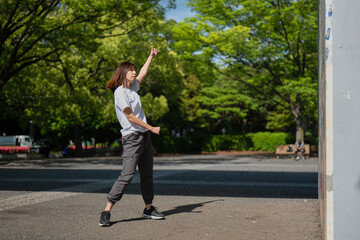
(132, 118)
(146, 66)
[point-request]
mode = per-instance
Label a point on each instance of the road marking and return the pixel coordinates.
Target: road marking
(60, 180)
(54, 194)
(238, 184)
(159, 181)
(88, 186)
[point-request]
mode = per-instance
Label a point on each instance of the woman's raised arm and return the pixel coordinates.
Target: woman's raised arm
(146, 66)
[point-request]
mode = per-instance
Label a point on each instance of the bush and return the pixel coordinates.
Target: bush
(170, 144)
(227, 142)
(261, 141)
(311, 139)
(267, 141)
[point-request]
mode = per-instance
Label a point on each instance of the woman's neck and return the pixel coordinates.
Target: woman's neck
(126, 84)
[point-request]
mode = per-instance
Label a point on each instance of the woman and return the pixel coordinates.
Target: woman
(137, 147)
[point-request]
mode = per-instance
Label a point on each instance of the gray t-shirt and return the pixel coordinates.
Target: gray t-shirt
(124, 98)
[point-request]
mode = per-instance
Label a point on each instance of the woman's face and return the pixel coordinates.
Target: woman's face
(131, 75)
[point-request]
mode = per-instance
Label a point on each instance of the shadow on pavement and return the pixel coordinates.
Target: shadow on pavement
(127, 220)
(188, 208)
(179, 209)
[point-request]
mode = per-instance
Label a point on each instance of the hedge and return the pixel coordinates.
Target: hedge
(267, 141)
(227, 142)
(261, 141)
(170, 144)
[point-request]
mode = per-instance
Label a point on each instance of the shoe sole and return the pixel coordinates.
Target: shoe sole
(104, 225)
(152, 217)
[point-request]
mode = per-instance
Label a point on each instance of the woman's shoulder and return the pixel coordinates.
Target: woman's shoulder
(119, 89)
(135, 86)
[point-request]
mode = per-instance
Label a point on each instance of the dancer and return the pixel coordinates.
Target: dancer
(136, 140)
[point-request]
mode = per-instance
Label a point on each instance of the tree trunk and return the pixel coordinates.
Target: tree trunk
(295, 110)
(299, 130)
(78, 143)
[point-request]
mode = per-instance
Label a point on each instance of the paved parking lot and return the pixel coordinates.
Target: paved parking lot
(203, 197)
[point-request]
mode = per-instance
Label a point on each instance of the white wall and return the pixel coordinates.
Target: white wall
(339, 107)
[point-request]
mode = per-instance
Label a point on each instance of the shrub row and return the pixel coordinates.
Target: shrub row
(267, 141)
(261, 141)
(170, 144)
(227, 142)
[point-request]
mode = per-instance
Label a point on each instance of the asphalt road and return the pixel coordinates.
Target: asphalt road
(203, 197)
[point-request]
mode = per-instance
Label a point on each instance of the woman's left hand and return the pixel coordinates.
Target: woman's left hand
(154, 51)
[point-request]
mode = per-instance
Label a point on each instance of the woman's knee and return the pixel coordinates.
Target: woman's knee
(127, 176)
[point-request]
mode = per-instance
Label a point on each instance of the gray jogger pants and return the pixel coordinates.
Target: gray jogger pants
(137, 150)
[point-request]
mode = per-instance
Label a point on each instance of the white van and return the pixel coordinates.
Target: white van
(18, 140)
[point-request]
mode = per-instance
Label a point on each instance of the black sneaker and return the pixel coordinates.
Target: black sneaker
(152, 213)
(105, 219)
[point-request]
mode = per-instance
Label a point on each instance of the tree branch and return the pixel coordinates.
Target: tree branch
(262, 93)
(97, 69)
(66, 75)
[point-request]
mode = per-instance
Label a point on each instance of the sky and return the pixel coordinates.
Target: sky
(180, 12)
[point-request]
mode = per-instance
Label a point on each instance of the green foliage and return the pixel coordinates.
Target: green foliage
(42, 31)
(310, 138)
(279, 121)
(190, 101)
(267, 141)
(154, 107)
(220, 104)
(224, 104)
(269, 47)
(70, 59)
(237, 65)
(227, 142)
(170, 144)
(261, 141)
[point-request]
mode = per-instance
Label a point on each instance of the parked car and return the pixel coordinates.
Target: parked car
(41, 146)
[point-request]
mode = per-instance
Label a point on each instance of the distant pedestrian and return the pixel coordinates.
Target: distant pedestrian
(299, 147)
(137, 146)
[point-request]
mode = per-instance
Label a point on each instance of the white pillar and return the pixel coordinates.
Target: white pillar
(339, 118)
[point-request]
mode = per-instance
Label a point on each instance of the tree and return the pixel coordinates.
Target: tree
(224, 105)
(272, 43)
(154, 107)
(33, 31)
(191, 104)
(56, 57)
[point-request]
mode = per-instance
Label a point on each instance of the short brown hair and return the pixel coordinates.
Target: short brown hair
(119, 76)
